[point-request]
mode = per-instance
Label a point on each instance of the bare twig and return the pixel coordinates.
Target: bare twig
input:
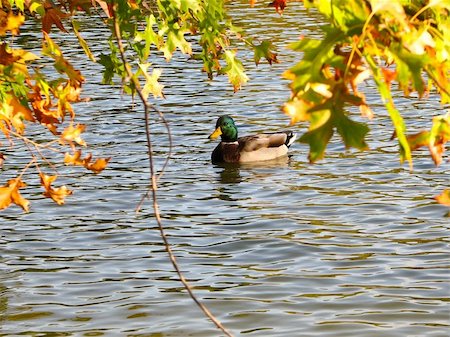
(154, 177)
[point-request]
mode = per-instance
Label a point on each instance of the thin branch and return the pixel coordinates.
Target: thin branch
(154, 178)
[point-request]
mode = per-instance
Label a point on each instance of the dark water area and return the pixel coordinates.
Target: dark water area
(354, 245)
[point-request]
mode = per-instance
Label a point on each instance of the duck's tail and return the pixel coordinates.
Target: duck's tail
(291, 137)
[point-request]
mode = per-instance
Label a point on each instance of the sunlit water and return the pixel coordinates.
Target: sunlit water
(351, 246)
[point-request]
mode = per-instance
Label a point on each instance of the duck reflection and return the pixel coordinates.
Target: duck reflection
(230, 173)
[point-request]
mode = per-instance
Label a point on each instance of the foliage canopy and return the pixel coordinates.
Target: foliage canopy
(393, 42)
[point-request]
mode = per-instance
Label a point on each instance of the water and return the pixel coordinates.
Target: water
(351, 246)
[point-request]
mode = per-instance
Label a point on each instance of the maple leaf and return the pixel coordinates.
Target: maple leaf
(56, 194)
(97, 166)
(10, 194)
(444, 197)
(263, 50)
(234, 70)
(73, 134)
(151, 82)
(74, 159)
(52, 17)
(7, 58)
(10, 22)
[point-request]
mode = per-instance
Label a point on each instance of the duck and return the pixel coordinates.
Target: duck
(247, 149)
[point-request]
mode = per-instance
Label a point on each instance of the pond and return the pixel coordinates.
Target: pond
(354, 245)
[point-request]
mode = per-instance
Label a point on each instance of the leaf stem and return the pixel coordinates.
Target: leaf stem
(154, 177)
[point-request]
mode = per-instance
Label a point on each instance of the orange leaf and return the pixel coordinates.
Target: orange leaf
(56, 194)
(10, 194)
(99, 165)
(444, 197)
(74, 159)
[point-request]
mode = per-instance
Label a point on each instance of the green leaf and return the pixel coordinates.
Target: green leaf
(83, 44)
(235, 70)
(353, 133)
(149, 36)
(396, 117)
(318, 140)
(409, 68)
(264, 50)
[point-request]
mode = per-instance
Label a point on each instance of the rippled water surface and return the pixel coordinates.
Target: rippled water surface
(351, 246)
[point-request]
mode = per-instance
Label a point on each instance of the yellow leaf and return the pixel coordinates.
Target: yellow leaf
(444, 197)
(151, 82)
(10, 194)
(10, 22)
(73, 134)
(74, 159)
(297, 109)
(99, 165)
(321, 88)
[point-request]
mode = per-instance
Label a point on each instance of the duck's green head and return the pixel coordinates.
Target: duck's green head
(226, 129)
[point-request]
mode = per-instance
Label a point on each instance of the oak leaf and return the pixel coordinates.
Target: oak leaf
(56, 194)
(9, 194)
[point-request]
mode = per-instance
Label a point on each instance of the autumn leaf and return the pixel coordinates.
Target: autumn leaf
(97, 166)
(56, 194)
(444, 197)
(74, 159)
(6, 57)
(73, 134)
(418, 140)
(151, 82)
(10, 22)
(52, 17)
(9, 194)
(50, 48)
(439, 136)
(234, 70)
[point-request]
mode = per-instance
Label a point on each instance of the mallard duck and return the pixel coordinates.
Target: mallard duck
(259, 147)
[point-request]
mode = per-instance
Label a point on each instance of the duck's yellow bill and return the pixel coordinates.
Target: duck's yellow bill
(216, 133)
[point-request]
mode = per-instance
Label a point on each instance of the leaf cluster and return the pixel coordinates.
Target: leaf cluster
(388, 41)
